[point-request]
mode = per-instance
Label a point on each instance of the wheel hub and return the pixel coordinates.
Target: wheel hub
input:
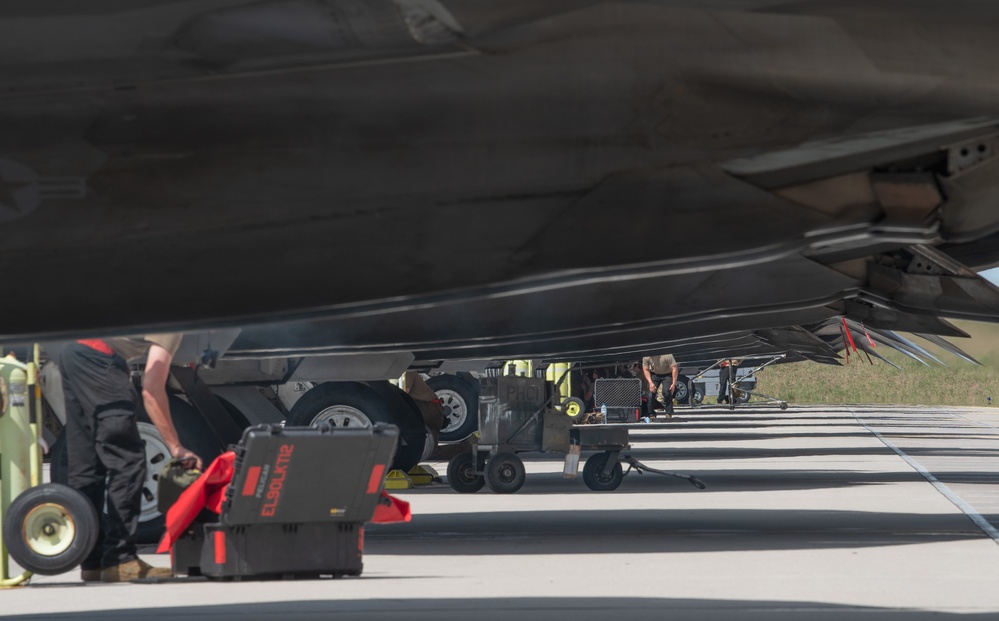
(48, 530)
(455, 409)
(343, 416)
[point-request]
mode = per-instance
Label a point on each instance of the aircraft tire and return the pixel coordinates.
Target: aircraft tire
(595, 480)
(430, 441)
(354, 404)
(681, 389)
(460, 398)
(50, 529)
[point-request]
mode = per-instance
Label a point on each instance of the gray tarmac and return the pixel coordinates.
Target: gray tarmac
(863, 512)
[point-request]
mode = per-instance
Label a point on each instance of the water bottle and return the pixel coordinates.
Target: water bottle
(603, 411)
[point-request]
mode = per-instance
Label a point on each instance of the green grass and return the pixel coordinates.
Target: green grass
(957, 383)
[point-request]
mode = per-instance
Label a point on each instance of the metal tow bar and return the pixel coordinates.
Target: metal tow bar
(641, 468)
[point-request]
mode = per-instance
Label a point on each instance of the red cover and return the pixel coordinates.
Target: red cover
(208, 492)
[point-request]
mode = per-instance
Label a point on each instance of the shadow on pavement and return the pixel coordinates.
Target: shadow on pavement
(522, 609)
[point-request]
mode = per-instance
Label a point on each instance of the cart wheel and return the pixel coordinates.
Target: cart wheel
(50, 529)
(461, 475)
(505, 473)
(574, 408)
(593, 473)
(783, 405)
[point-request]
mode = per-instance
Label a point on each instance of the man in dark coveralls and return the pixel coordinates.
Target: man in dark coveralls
(106, 456)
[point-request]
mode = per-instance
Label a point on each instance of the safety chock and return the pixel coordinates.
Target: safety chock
(423, 475)
(397, 479)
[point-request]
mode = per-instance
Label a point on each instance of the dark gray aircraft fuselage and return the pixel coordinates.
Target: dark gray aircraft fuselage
(415, 174)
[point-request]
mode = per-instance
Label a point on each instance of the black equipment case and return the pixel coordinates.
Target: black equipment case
(296, 506)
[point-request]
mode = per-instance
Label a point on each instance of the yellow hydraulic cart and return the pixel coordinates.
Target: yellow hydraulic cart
(48, 529)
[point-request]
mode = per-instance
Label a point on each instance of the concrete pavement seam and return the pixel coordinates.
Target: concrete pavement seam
(973, 515)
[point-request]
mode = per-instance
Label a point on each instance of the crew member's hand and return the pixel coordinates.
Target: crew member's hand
(652, 388)
(672, 387)
(189, 457)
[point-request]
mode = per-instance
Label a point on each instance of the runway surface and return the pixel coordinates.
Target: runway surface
(861, 512)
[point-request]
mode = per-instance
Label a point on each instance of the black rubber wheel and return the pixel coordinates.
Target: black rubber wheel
(460, 398)
(698, 395)
(574, 408)
(194, 433)
(50, 529)
(783, 405)
(353, 404)
(461, 475)
(430, 436)
(593, 477)
(681, 389)
(741, 393)
(505, 473)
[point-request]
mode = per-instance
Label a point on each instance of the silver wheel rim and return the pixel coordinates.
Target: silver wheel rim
(455, 409)
(681, 390)
(157, 454)
(343, 416)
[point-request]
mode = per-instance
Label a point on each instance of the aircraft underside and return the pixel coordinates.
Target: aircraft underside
(491, 180)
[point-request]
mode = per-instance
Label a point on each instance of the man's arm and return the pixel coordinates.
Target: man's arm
(648, 378)
(154, 396)
(676, 373)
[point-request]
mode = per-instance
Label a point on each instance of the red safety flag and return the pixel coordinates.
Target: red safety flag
(869, 339)
(849, 337)
(207, 492)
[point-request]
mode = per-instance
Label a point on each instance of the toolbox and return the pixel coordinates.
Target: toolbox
(296, 506)
(622, 396)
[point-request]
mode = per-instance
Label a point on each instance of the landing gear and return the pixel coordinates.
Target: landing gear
(352, 405)
(460, 398)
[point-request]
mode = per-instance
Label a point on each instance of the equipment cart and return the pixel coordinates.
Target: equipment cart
(738, 394)
(515, 416)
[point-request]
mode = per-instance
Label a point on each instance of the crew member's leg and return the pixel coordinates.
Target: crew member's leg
(654, 395)
(723, 378)
(84, 469)
(104, 392)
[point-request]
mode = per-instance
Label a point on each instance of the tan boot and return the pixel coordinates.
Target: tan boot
(90, 575)
(133, 570)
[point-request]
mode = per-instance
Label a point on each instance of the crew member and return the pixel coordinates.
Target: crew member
(724, 376)
(657, 370)
(102, 441)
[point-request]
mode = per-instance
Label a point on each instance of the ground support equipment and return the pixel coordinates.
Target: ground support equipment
(290, 511)
(750, 394)
(515, 417)
(47, 529)
(741, 396)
